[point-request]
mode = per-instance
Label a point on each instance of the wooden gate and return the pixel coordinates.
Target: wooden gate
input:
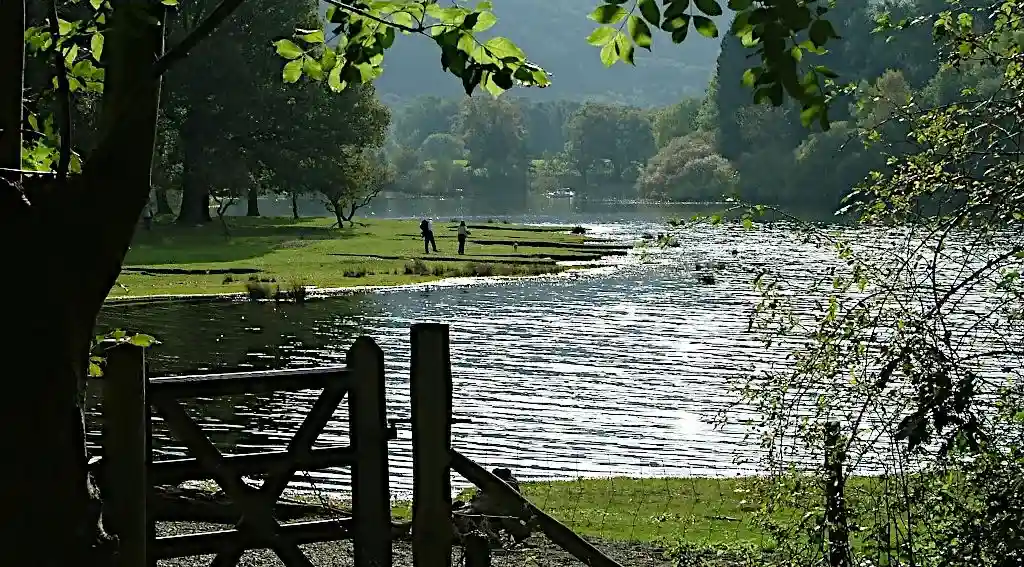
(130, 472)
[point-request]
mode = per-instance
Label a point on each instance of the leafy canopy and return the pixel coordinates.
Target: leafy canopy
(781, 32)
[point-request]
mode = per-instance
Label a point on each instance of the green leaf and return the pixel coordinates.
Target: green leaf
(821, 31)
(316, 37)
(639, 31)
(169, 2)
(286, 48)
(96, 46)
(740, 5)
(709, 7)
(485, 21)
(624, 48)
(749, 78)
(329, 59)
(705, 26)
(144, 341)
(502, 47)
(292, 71)
(601, 36)
(94, 370)
(312, 68)
(609, 55)
(747, 223)
(649, 10)
(334, 79)
(608, 14)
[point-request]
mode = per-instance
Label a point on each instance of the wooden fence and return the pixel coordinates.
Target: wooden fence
(129, 472)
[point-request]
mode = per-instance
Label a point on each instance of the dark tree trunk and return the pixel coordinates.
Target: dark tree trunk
(195, 193)
(12, 69)
(253, 203)
(163, 206)
(295, 206)
(51, 507)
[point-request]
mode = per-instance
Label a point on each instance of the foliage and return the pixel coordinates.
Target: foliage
(361, 177)
(910, 339)
(687, 169)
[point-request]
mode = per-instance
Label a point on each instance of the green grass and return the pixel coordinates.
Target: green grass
(310, 252)
(698, 511)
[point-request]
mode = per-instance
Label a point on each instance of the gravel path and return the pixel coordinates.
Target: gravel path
(534, 552)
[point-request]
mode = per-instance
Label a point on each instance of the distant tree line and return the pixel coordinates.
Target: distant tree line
(696, 149)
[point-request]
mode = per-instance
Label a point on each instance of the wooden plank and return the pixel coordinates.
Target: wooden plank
(299, 448)
(125, 444)
(556, 531)
(258, 518)
(209, 543)
(477, 551)
(368, 430)
(836, 523)
(236, 383)
(175, 471)
(431, 396)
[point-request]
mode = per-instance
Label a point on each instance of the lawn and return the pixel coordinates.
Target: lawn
(171, 259)
(700, 511)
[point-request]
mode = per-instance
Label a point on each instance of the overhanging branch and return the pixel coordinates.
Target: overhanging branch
(196, 36)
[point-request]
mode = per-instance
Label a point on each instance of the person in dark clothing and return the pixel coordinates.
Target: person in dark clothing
(427, 229)
(463, 233)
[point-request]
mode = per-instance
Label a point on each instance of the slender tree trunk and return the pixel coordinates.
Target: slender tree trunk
(253, 203)
(12, 69)
(163, 206)
(295, 206)
(195, 193)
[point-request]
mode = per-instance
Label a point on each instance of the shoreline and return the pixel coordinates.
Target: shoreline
(322, 293)
(308, 260)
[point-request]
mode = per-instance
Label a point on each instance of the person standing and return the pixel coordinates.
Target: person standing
(424, 229)
(430, 235)
(463, 233)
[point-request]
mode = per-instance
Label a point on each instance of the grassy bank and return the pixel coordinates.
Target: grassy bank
(171, 259)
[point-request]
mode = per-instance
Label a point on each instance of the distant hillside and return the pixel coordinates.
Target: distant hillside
(553, 33)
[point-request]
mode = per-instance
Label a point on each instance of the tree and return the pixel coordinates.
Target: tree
(687, 169)
(362, 177)
(50, 490)
(492, 130)
(442, 146)
(675, 121)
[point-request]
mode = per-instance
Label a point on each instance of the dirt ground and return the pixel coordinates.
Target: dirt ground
(534, 552)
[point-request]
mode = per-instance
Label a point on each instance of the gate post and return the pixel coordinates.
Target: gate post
(368, 436)
(430, 384)
(126, 452)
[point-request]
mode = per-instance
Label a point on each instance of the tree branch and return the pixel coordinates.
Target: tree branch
(369, 16)
(196, 36)
(63, 95)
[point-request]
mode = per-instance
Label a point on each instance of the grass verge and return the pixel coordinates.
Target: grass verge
(172, 259)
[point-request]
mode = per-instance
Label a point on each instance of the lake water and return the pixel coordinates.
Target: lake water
(615, 371)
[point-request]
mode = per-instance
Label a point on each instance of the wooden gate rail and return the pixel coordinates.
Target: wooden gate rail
(128, 458)
(434, 459)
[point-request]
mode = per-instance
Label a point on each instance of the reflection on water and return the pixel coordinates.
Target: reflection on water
(598, 374)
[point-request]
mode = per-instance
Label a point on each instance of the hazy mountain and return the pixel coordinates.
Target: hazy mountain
(553, 33)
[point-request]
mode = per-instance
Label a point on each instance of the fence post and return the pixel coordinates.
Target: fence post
(126, 452)
(835, 499)
(430, 384)
(368, 431)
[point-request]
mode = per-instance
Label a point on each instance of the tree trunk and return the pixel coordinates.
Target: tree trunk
(295, 206)
(253, 204)
(195, 193)
(51, 507)
(163, 206)
(12, 69)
